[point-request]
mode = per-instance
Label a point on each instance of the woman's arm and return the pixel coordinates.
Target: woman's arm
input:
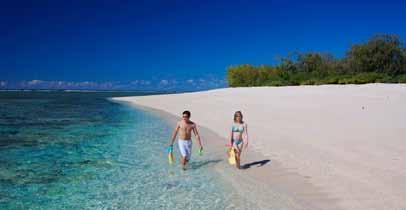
(231, 137)
(246, 135)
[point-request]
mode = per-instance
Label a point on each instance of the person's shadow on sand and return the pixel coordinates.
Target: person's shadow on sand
(196, 165)
(257, 163)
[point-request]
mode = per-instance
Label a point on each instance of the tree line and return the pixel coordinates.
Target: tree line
(381, 59)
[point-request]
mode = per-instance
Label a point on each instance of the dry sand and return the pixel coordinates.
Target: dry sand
(330, 146)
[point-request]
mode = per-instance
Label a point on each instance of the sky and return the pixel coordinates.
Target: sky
(45, 43)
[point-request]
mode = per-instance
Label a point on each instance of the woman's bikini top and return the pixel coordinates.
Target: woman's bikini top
(238, 128)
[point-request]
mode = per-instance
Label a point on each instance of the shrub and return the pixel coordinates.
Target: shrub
(401, 78)
(381, 59)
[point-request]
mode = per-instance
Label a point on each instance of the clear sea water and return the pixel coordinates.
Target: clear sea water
(75, 150)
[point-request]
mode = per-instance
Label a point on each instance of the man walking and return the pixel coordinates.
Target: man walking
(185, 127)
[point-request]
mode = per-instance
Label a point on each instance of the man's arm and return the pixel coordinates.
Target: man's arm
(197, 136)
(175, 132)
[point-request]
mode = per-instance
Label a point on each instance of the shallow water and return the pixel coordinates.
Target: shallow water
(81, 151)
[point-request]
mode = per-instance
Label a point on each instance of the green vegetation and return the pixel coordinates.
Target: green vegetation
(381, 59)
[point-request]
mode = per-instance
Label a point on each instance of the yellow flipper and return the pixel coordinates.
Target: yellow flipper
(170, 158)
(231, 157)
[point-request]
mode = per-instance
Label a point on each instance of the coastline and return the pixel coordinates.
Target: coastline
(263, 182)
(343, 140)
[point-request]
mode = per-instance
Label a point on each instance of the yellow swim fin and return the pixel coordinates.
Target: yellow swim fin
(231, 157)
(170, 158)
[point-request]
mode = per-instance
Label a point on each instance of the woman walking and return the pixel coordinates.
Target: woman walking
(239, 136)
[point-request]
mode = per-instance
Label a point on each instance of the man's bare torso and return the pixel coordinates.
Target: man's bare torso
(186, 129)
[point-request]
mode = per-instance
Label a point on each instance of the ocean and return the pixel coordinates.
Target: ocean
(80, 150)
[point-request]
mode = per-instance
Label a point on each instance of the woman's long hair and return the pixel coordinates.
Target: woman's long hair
(235, 116)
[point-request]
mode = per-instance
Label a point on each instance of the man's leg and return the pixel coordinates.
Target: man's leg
(183, 162)
(183, 153)
(185, 148)
(186, 162)
(188, 150)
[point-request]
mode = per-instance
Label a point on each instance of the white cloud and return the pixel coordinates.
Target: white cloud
(158, 84)
(164, 82)
(145, 82)
(34, 82)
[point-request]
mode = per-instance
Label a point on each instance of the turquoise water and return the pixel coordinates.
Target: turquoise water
(63, 150)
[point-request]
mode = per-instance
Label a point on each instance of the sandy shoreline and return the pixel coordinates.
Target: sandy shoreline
(330, 147)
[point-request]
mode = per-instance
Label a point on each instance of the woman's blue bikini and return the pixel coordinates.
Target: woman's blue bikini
(239, 128)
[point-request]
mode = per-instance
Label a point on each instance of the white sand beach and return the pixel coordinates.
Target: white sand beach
(329, 146)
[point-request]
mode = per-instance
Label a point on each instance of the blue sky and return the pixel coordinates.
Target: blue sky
(127, 41)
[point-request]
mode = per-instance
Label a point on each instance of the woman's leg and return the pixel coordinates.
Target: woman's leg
(237, 151)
